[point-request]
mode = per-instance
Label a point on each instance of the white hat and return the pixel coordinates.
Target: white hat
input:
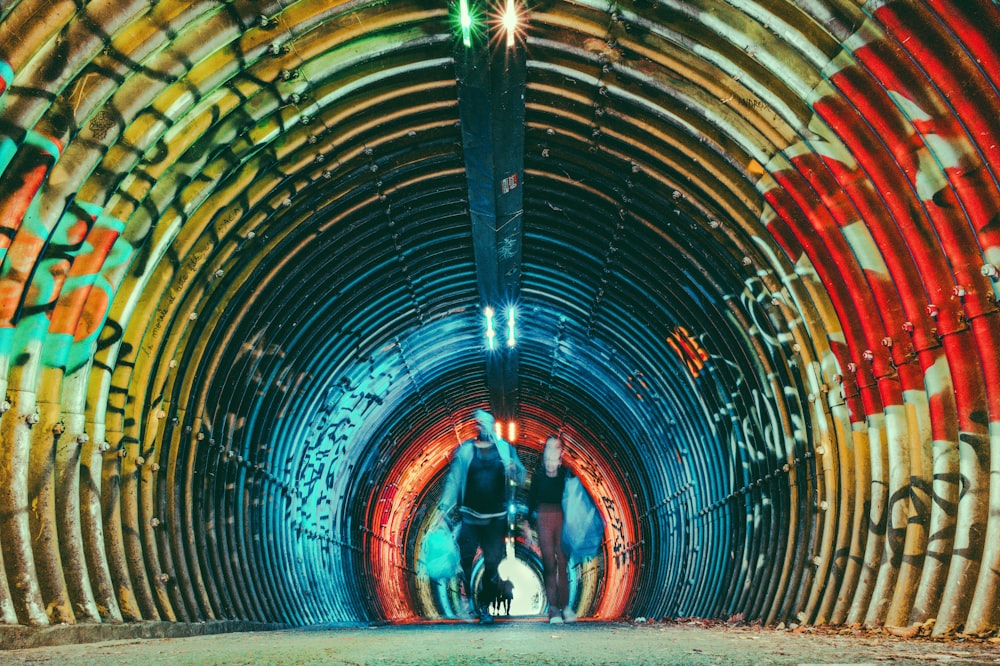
(484, 419)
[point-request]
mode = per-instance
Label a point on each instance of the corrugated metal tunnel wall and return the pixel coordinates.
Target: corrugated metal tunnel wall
(747, 251)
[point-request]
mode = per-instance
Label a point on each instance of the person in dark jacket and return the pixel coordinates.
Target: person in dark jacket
(546, 509)
(483, 475)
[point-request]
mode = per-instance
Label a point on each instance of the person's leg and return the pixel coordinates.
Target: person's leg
(492, 543)
(548, 524)
(468, 544)
(562, 573)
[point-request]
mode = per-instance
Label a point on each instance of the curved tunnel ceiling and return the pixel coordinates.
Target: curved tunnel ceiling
(749, 252)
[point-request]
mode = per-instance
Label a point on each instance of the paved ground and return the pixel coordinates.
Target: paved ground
(522, 641)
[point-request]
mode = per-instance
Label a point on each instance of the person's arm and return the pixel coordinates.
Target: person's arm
(519, 471)
(532, 516)
(452, 484)
(527, 533)
(528, 523)
(515, 473)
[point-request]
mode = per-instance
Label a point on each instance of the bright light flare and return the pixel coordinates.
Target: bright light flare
(511, 431)
(465, 20)
(511, 20)
(511, 340)
(491, 333)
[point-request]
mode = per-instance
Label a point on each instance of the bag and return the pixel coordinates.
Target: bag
(439, 558)
(583, 527)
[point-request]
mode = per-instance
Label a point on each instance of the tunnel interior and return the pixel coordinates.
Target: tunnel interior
(262, 259)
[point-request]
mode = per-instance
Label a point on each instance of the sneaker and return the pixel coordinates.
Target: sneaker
(555, 619)
(568, 615)
(484, 615)
(465, 611)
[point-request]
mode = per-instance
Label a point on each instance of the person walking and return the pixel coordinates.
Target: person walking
(484, 472)
(545, 507)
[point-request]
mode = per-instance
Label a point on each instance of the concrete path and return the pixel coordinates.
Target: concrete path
(520, 641)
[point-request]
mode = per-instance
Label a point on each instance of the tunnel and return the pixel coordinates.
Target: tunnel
(260, 260)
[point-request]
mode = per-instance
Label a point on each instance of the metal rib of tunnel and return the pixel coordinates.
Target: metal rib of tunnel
(752, 248)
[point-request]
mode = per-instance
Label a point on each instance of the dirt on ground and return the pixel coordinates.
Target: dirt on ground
(527, 641)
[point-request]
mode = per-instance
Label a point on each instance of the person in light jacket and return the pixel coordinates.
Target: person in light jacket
(482, 477)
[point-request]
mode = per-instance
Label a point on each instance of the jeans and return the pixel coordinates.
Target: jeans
(490, 538)
(550, 523)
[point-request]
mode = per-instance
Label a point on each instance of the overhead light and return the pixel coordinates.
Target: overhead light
(511, 431)
(511, 341)
(510, 21)
(491, 333)
(465, 19)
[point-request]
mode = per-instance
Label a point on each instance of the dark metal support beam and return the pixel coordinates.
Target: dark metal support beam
(491, 83)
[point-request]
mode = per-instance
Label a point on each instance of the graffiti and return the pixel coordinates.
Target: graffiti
(85, 300)
(688, 349)
(28, 236)
(68, 266)
(619, 547)
(102, 121)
